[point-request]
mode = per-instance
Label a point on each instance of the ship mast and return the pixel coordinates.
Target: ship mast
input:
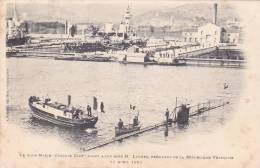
(15, 16)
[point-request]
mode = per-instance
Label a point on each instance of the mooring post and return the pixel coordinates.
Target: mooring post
(166, 123)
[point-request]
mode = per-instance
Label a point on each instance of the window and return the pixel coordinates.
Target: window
(185, 39)
(190, 39)
(216, 32)
(196, 39)
(201, 32)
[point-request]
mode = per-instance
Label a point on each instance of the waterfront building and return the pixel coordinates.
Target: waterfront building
(190, 35)
(209, 35)
(17, 30)
(233, 36)
(154, 43)
(82, 29)
(109, 28)
(125, 30)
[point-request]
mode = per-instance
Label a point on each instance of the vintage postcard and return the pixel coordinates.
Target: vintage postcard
(129, 84)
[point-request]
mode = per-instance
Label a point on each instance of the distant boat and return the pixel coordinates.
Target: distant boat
(95, 57)
(174, 62)
(60, 114)
(16, 41)
(225, 85)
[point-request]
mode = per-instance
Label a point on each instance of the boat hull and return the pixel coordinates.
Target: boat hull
(17, 41)
(123, 131)
(41, 115)
(93, 59)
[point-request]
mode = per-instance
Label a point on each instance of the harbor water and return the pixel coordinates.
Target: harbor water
(151, 89)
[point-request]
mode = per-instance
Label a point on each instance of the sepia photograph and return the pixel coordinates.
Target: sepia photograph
(129, 84)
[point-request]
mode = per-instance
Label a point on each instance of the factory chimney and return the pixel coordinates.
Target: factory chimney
(215, 13)
(66, 27)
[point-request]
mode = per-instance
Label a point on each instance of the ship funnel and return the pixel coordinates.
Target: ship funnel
(69, 100)
(215, 13)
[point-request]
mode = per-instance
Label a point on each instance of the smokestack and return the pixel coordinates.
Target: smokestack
(69, 100)
(215, 13)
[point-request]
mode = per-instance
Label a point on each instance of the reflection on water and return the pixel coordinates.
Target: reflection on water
(151, 88)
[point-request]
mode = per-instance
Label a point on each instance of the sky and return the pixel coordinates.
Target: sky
(84, 12)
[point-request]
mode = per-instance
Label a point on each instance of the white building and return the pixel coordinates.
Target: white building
(190, 35)
(154, 43)
(233, 36)
(209, 35)
(109, 28)
(14, 26)
(122, 28)
(82, 29)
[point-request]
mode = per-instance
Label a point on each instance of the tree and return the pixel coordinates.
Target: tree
(94, 30)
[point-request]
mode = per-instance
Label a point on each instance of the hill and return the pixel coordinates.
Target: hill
(187, 15)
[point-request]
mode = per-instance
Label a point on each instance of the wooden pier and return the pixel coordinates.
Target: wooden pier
(214, 62)
(196, 110)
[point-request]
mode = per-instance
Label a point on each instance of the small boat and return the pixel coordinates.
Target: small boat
(175, 62)
(139, 63)
(96, 58)
(60, 114)
(126, 129)
(122, 129)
